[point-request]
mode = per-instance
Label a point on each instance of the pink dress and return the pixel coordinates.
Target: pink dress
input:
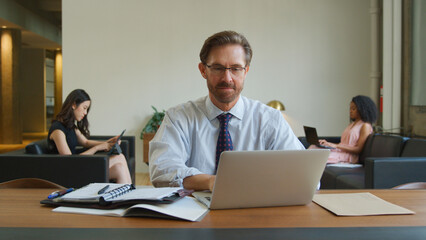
(349, 138)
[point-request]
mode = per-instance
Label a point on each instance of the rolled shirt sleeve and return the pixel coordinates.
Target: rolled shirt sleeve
(168, 153)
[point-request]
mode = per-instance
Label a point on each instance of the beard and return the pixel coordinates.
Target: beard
(224, 96)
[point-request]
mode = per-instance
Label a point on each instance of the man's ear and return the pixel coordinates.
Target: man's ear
(202, 69)
(246, 71)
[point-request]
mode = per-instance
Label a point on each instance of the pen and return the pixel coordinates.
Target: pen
(60, 193)
(103, 189)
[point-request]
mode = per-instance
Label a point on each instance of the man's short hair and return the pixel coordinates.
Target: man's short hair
(224, 38)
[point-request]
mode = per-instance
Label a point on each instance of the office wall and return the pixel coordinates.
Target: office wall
(313, 55)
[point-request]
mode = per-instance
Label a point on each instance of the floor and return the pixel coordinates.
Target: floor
(142, 179)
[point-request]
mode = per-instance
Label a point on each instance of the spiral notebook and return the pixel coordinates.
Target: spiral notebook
(116, 195)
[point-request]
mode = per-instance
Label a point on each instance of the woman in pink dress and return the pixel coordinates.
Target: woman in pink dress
(363, 113)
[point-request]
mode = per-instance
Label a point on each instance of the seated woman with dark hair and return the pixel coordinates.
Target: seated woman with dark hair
(70, 128)
(363, 113)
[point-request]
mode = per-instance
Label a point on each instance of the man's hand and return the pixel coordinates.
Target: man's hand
(199, 182)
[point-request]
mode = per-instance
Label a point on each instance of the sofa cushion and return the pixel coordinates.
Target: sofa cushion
(350, 181)
(366, 150)
(386, 146)
(381, 146)
(38, 147)
(414, 148)
(329, 177)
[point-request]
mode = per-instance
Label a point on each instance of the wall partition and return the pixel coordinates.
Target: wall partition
(129, 55)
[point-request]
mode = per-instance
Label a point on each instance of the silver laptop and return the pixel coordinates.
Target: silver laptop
(247, 179)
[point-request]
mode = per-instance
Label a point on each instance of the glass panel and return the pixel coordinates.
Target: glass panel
(418, 81)
(50, 91)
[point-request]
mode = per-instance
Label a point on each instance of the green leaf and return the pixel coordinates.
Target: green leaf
(154, 123)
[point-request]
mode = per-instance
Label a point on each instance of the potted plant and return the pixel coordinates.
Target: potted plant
(148, 132)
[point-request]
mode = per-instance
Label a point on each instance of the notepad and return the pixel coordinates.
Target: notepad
(358, 204)
(117, 195)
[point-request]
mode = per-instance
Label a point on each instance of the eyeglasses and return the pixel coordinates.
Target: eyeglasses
(220, 70)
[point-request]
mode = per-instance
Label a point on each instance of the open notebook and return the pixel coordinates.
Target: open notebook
(117, 195)
(124, 200)
(187, 208)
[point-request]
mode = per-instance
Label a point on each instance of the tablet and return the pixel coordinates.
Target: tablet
(116, 147)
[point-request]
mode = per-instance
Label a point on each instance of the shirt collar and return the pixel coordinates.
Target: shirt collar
(237, 110)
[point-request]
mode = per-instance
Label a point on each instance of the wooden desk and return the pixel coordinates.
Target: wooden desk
(20, 209)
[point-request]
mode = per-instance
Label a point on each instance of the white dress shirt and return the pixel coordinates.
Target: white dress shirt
(185, 144)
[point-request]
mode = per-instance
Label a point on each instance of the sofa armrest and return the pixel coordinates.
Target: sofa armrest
(389, 172)
(69, 171)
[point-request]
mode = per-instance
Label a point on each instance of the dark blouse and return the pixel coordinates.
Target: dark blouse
(70, 136)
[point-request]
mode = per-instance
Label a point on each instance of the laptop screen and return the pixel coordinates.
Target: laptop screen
(311, 135)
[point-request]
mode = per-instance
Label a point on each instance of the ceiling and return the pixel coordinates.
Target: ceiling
(51, 10)
(48, 10)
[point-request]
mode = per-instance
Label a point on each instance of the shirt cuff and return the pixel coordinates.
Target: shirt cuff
(174, 179)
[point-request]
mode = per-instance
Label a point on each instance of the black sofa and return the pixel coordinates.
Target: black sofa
(69, 171)
(387, 161)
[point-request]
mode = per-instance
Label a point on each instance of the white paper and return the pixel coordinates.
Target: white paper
(358, 204)
(119, 212)
(344, 165)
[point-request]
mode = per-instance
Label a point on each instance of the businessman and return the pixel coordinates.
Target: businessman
(186, 149)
